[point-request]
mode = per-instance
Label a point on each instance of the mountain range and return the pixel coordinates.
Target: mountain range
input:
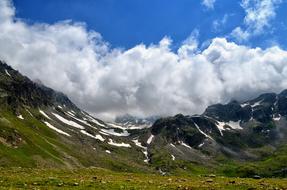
(40, 127)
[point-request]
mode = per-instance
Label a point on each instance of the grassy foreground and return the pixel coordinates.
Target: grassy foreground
(95, 178)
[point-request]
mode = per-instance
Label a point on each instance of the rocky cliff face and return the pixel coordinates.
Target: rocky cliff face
(17, 90)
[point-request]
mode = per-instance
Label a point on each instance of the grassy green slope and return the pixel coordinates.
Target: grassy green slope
(34, 142)
(30, 143)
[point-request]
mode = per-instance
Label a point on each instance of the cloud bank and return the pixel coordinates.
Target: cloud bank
(144, 80)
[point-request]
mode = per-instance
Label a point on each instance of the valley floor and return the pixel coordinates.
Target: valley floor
(96, 178)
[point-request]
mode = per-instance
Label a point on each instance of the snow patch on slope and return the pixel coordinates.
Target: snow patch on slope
(207, 136)
(220, 126)
(29, 113)
(172, 157)
(68, 122)
(146, 155)
(80, 120)
(277, 118)
(186, 145)
(111, 142)
(256, 103)
(232, 124)
(172, 145)
(97, 137)
(44, 114)
(199, 146)
(244, 104)
(7, 73)
(56, 129)
(150, 139)
(137, 143)
(20, 117)
(71, 113)
(113, 125)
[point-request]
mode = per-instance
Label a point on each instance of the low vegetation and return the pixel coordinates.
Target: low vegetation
(96, 178)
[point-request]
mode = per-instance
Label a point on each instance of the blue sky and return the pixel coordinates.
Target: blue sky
(126, 23)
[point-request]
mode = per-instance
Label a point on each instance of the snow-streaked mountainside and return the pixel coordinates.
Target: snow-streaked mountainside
(49, 130)
(43, 128)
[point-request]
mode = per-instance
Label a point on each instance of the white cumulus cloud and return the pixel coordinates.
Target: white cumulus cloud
(259, 14)
(143, 80)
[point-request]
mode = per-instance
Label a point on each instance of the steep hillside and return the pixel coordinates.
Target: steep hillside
(43, 128)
